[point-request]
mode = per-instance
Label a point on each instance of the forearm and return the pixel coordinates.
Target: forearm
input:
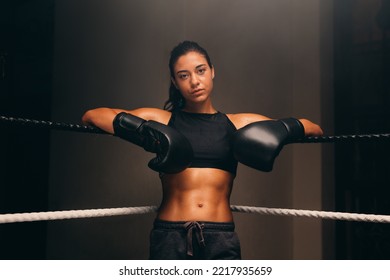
(101, 118)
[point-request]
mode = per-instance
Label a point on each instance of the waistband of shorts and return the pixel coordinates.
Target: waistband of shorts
(220, 226)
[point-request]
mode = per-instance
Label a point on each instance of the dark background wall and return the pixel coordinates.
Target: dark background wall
(277, 58)
(26, 62)
(362, 95)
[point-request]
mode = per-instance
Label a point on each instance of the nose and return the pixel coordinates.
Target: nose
(194, 80)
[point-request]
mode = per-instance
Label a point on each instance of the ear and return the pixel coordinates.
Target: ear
(212, 73)
(174, 82)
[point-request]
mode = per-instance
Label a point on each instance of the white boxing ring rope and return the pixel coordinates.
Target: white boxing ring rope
(108, 212)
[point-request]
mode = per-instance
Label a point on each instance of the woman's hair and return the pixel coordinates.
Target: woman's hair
(176, 100)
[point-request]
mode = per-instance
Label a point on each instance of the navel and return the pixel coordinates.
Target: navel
(200, 205)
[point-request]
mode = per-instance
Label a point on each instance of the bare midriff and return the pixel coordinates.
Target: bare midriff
(197, 194)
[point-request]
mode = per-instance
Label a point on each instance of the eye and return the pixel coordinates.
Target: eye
(201, 71)
(183, 76)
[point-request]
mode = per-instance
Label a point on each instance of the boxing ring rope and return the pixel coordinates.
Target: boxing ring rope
(93, 129)
(106, 212)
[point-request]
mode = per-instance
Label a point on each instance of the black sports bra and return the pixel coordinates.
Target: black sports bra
(209, 135)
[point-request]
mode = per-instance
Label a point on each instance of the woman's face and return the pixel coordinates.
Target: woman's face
(193, 77)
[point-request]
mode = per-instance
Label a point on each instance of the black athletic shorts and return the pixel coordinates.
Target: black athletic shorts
(194, 241)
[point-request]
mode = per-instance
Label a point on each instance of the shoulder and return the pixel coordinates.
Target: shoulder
(242, 119)
(152, 114)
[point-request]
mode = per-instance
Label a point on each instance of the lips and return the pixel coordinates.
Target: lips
(197, 91)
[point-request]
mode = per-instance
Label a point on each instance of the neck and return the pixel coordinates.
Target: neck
(200, 108)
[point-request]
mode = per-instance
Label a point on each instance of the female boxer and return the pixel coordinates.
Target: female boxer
(197, 150)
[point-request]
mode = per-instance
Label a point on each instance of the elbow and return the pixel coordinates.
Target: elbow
(311, 129)
(92, 116)
(88, 117)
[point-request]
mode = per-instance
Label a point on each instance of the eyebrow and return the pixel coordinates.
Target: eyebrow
(197, 67)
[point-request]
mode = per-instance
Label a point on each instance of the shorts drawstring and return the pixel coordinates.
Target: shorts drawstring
(190, 226)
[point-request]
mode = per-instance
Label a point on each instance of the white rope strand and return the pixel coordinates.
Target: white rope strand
(74, 214)
(107, 212)
(313, 214)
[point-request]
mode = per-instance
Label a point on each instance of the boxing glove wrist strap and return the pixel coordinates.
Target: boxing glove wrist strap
(295, 129)
(126, 126)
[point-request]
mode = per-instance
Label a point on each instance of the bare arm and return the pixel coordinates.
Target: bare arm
(103, 117)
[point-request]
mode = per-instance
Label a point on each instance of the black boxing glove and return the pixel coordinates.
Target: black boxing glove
(174, 151)
(258, 144)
